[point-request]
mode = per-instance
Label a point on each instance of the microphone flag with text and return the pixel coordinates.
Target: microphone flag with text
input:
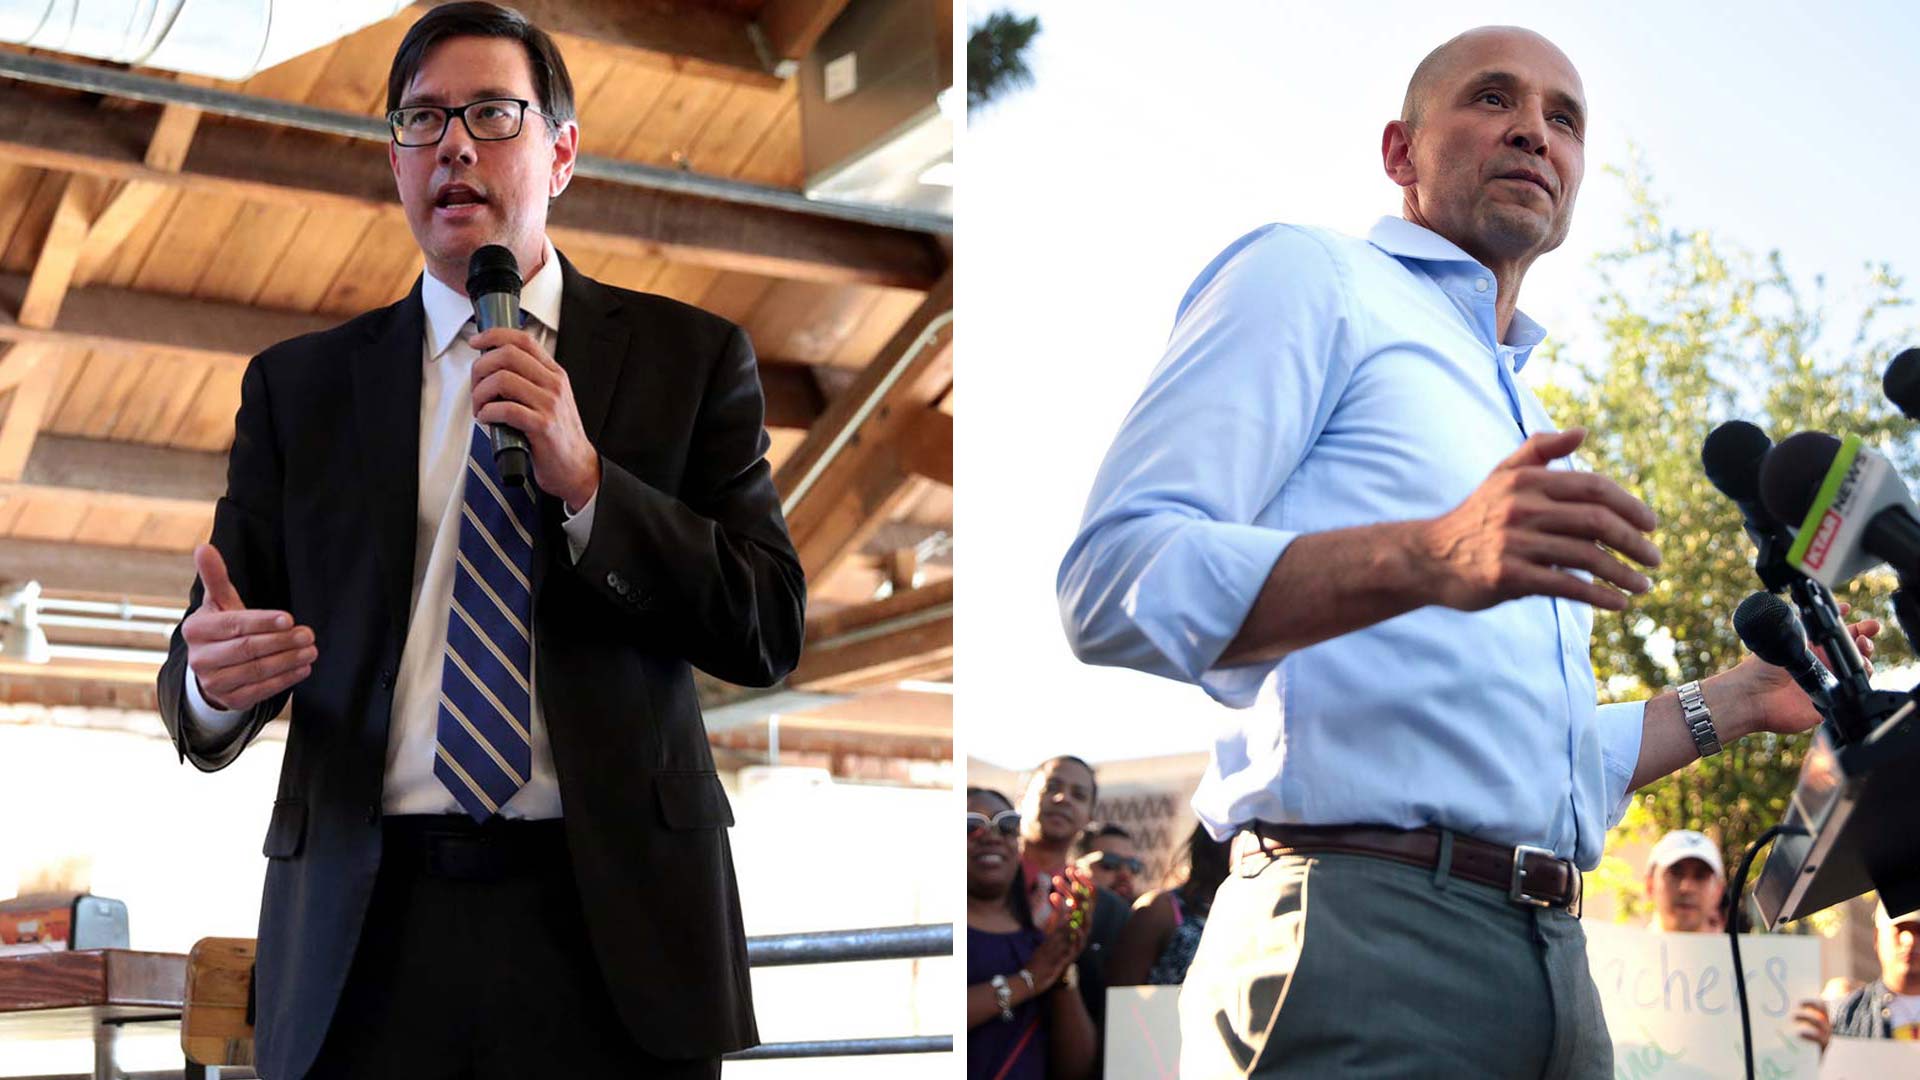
(1848, 506)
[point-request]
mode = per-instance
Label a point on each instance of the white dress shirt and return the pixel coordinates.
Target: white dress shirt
(1314, 382)
(446, 418)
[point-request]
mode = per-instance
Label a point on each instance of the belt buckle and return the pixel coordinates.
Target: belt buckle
(1516, 891)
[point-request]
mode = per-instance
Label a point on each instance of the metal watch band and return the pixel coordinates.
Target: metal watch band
(1699, 719)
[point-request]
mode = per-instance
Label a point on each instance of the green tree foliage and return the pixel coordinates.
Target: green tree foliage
(996, 56)
(1696, 333)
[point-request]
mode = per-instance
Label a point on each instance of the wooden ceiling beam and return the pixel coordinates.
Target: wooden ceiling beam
(33, 370)
(129, 206)
(80, 203)
(926, 446)
(692, 37)
(791, 28)
(160, 576)
(220, 333)
(850, 474)
(907, 635)
(67, 134)
(154, 472)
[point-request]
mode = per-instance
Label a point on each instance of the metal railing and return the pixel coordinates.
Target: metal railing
(846, 946)
(773, 950)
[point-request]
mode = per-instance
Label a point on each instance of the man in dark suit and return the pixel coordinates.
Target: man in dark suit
(498, 846)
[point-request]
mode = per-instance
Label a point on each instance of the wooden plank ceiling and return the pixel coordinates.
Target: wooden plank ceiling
(147, 252)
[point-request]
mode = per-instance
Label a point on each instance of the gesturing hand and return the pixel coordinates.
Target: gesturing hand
(241, 656)
(1527, 525)
(515, 382)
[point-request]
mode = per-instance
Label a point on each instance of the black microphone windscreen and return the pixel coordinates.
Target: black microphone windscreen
(493, 269)
(1732, 455)
(1769, 629)
(1791, 475)
(1902, 382)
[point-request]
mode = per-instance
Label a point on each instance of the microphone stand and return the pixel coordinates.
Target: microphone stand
(1857, 706)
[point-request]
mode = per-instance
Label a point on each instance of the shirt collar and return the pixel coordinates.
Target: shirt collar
(448, 311)
(1404, 240)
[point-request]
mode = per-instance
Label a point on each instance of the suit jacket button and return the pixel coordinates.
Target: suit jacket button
(617, 583)
(386, 678)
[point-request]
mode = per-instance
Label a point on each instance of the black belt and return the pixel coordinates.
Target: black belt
(1530, 876)
(455, 846)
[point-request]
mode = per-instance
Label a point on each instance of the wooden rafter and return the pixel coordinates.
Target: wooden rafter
(312, 171)
(791, 28)
(224, 334)
(161, 576)
(166, 150)
(850, 474)
(706, 41)
(905, 636)
(34, 367)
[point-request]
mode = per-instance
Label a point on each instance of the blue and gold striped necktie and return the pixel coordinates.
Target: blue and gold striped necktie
(483, 750)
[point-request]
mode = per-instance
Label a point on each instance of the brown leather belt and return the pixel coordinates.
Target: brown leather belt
(1530, 876)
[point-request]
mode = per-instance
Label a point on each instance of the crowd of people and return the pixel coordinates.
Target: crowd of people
(1059, 909)
(1686, 884)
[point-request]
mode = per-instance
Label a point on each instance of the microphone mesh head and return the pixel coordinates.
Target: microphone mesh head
(1902, 382)
(1790, 476)
(1769, 628)
(1732, 455)
(493, 269)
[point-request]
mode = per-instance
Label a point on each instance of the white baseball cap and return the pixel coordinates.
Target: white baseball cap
(1686, 844)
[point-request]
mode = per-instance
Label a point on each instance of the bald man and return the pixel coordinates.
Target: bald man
(1338, 503)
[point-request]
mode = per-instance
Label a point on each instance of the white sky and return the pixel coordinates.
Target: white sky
(1088, 202)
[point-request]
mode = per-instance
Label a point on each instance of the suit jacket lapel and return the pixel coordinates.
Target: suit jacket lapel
(592, 345)
(386, 375)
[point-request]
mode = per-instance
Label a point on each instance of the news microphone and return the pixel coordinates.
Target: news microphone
(493, 284)
(1731, 457)
(1850, 509)
(1902, 383)
(1771, 631)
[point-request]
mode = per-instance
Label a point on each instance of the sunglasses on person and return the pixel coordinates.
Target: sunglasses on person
(1007, 821)
(1107, 860)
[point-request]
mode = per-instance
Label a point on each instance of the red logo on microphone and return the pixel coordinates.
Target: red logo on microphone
(1822, 540)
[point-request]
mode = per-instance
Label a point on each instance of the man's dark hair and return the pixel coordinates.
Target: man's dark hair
(551, 83)
(1093, 779)
(1095, 833)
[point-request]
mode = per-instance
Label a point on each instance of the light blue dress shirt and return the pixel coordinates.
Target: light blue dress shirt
(1316, 381)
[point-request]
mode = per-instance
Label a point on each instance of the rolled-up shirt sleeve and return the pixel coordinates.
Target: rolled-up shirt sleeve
(1180, 532)
(1621, 726)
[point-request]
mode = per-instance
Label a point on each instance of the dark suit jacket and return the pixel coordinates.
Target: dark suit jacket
(689, 565)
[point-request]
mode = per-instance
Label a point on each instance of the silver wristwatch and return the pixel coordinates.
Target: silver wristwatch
(1699, 720)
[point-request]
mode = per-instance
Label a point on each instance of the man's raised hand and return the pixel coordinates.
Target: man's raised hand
(240, 656)
(1526, 525)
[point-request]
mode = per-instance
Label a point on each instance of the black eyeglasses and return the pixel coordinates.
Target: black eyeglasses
(487, 120)
(1007, 821)
(1107, 860)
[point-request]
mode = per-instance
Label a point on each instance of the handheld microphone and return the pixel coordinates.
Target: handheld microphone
(1771, 631)
(493, 284)
(1851, 508)
(1902, 383)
